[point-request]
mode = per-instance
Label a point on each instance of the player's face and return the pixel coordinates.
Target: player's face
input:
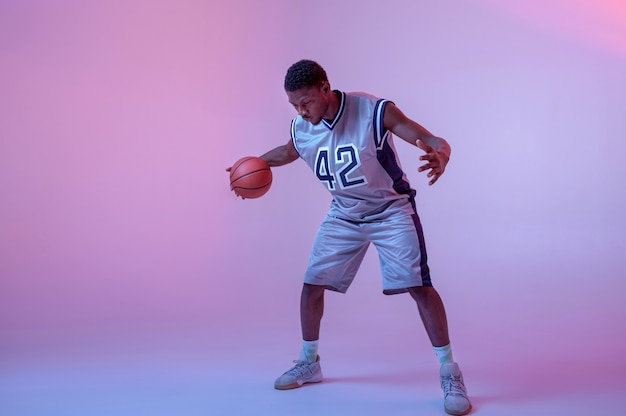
(311, 103)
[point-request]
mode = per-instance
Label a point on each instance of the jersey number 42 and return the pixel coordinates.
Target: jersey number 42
(346, 163)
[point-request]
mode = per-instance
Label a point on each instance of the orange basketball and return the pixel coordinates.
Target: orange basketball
(250, 177)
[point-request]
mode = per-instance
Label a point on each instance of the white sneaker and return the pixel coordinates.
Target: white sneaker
(303, 372)
(455, 400)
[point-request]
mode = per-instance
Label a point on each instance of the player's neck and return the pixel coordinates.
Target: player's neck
(333, 105)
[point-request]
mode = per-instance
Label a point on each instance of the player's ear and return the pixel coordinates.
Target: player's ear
(325, 87)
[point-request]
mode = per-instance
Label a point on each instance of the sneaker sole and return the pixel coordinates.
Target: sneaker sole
(457, 413)
(294, 385)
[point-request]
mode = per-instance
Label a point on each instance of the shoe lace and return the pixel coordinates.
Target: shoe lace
(299, 368)
(453, 385)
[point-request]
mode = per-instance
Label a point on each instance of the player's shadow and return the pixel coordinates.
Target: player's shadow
(422, 390)
(387, 378)
(517, 383)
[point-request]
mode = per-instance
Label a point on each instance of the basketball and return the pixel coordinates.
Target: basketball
(250, 177)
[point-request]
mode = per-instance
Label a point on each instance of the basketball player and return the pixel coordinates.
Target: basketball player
(346, 139)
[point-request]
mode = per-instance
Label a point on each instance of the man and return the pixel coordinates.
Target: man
(346, 139)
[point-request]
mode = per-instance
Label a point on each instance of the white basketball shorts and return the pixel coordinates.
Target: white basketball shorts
(340, 245)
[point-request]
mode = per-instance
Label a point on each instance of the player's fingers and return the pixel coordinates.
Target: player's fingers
(425, 167)
(236, 193)
(433, 175)
(432, 164)
(436, 177)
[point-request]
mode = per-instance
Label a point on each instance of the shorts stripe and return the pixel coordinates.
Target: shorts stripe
(425, 271)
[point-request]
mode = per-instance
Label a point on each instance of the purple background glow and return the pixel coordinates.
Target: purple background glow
(117, 226)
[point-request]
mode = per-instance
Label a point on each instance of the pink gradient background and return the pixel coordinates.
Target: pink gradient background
(133, 282)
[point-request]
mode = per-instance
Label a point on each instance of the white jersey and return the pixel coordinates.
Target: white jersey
(355, 158)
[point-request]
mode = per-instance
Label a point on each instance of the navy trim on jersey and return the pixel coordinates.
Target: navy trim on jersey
(380, 133)
(385, 154)
(342, 104)
(292, 133)
(379, 136)
(387, 158)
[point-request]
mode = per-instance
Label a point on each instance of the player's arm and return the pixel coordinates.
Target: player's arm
(281, 155)
(437, 150)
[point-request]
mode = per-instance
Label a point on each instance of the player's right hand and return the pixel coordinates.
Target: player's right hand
(231, 188)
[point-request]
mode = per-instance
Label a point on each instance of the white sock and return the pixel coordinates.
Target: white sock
(444, 354)
(308, 352)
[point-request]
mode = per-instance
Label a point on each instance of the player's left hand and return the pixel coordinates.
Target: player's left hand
(436, 162)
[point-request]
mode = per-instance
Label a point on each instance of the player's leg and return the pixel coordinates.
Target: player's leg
(403, 259)
(307, 368)
(433, 316)
(432, 313)
(311, 311)
(337, 252)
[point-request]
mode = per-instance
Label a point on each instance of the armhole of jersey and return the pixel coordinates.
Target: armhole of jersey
(293, 136)
(380, 133)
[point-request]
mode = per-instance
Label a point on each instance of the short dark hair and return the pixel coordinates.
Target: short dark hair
(304, 73)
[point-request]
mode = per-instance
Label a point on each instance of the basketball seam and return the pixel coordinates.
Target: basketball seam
(248, 174)
(233, 171)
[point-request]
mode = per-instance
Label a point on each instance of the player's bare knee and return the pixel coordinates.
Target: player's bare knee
(418, 293)
(312, 291)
